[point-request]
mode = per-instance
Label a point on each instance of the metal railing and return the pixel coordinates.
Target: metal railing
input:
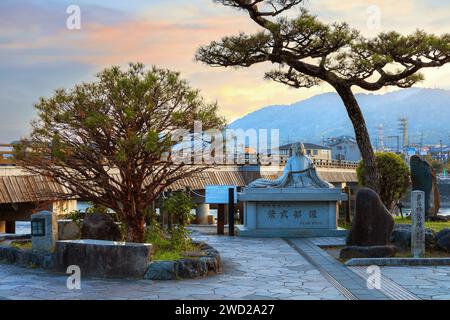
(6, 158)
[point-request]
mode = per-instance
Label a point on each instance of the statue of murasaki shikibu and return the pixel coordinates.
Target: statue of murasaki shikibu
(299, 172)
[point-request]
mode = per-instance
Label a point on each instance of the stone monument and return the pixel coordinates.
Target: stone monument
(44, 231)
(423, 178)
(371, 230)
(418, 224)
(297, 204)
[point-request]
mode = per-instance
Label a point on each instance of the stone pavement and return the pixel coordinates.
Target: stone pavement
(253, 269)
(425, 282)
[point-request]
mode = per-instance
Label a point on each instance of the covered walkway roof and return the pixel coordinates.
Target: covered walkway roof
(19, 186)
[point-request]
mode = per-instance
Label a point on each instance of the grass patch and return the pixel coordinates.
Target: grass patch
(344, 225)
(168, 246)
(435, 226)
(167, 255)
(22, 245)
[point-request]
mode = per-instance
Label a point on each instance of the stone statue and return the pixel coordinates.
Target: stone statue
(299, 172)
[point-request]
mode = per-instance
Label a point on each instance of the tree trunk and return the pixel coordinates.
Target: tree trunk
(371, 177)
(135, 228)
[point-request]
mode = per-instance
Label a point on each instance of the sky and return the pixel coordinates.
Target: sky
(39, 54)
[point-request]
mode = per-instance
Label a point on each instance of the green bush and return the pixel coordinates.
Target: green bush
(179, 205)
(168, 245)
(395, 177)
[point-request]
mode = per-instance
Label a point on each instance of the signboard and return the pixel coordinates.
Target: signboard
(411, 151)
(38, 227)
(219, 194)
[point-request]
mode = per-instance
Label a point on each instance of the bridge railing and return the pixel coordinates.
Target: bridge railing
(6, 158)
(6, 154)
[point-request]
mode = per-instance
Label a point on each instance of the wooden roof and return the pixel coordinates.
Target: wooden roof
(29, 188)
(20, 186)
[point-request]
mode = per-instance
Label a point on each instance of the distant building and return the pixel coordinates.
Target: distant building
(344, 148)
(313, 150)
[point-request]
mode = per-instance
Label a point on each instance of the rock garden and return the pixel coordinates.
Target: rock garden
(94, 242)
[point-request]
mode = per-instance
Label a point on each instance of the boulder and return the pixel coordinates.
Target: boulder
(68, 230)
(435, 199)
(401, 237)
(191, 268)
(100, 226)
(443, 239)
(423, 178)
(350, 252)
(438, 218)
(373, 224)
(161, 270)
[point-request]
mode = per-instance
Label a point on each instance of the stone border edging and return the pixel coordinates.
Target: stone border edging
(27, 258)
(186, 268)
(398, 262)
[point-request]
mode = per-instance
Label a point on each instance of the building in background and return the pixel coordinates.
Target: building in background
(344, 148)
(312, 150)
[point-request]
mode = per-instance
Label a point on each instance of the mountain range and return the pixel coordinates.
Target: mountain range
(324, 116)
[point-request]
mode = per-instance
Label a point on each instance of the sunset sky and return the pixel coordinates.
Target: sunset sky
(39, 54)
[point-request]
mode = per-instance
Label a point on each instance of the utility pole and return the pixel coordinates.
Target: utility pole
(380, 128)
(403, 127)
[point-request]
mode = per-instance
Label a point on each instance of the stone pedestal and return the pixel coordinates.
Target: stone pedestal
(44, 231)
(291, 212)
(202, 213)
(418, 223)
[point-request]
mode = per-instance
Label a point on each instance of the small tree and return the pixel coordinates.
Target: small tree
(110, 141)
(310, 52)
(179, 206)
(394, 177)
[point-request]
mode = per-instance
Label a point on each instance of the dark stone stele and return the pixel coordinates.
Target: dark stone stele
(443, 239)
(423, 178)
(100, 226)
(187, 268)
(368, 252)
(371, 230)
(373, 224)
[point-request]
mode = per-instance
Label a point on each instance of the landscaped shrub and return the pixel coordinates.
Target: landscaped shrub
(394, 180)
(171, 243)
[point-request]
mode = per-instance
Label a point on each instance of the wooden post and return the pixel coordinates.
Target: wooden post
(231, 212)
(221, 219)
(10, 227)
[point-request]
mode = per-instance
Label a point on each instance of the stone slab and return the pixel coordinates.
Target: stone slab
(399, 262)
(100, 258)
(291, 194)
(290, 233)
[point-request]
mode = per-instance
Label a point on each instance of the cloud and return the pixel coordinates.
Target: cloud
(35, 44)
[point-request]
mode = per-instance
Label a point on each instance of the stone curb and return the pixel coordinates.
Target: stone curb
(186, 268)
(398, 262)
(27, 257)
